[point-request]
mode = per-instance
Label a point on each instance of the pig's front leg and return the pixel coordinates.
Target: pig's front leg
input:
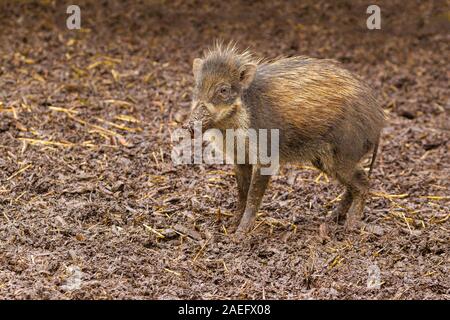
(243, 173)
(256, 191)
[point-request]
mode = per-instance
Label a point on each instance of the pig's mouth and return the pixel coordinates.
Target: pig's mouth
(192, 125)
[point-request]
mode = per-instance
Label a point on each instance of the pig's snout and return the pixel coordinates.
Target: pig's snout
(200, 119)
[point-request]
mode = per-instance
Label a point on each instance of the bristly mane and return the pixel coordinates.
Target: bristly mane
(229, 53)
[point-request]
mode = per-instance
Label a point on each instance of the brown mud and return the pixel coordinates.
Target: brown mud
(91, 206)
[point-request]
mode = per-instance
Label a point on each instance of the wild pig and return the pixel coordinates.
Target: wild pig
(325, 115)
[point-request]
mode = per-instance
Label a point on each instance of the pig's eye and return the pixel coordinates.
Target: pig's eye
(224, 92)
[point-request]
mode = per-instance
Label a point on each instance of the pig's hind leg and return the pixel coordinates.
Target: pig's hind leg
(340, 212)
(352, 204)
(331, 167)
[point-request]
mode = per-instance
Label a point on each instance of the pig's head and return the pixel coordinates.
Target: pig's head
(221, 77)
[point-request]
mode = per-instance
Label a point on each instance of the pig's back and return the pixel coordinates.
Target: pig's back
(311, 99)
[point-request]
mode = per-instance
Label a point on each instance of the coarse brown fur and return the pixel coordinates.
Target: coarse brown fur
(325, 115)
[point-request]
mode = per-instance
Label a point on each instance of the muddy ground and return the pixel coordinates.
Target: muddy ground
(91, 206)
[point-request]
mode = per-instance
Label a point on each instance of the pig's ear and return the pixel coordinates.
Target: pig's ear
(247, 73)
(196, 66)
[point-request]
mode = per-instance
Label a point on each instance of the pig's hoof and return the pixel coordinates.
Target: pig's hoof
(243, 229)
(338, 215)
(235, 221)
(238, 237)
(352, 225)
